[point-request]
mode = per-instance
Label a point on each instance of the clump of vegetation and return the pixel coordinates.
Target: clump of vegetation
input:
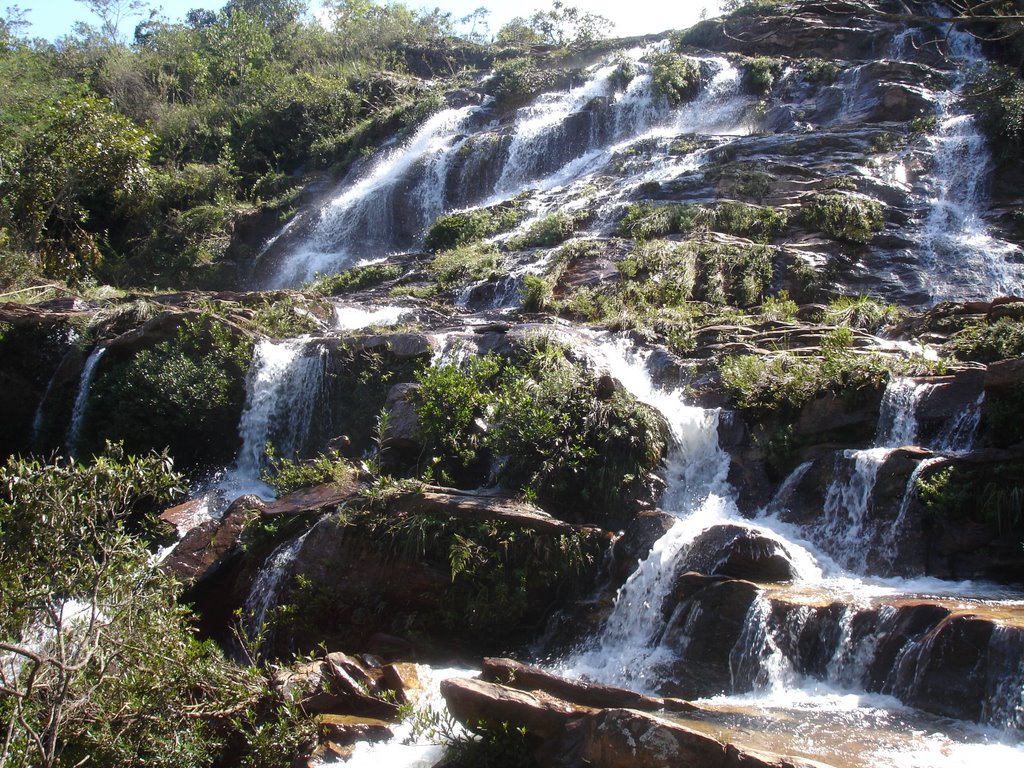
(996, 95)
(537, 292)
(759, 223)
(861, 312)
(166, 393)
(84, 611)
(850, 218)
(463, 265)
(563, 440)
(787, 381)
(285, 475)
(548, 231)
(282, 319)
(451, 230)
(760, 73)
(516, 81)
(355, 279)
(992, 494)
(820, 71)
(675, 77)
(987, 342)
(779, 307)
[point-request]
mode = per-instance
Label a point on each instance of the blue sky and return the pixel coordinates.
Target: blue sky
(53, 18)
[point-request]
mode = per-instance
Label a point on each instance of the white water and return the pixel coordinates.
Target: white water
(628, 652)
(352, 317)
(404, 750)
(82, 400)
(267, 584)
(361, 220)
(961, 259)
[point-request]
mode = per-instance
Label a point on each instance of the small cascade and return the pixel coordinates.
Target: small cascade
(389, 206)
(82, 400)
(1004, 693)
(958, 434)
(847, 530)
(283, 388)
(267, 584)
(962, 260)
(352, 318)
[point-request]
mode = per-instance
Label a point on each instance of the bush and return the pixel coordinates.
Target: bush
(109, 669)
(861, 312)
(451, 230)
(549, 231)
(562, 441)
(355, 279)
(463, 265)
(759, 74)
(844, 217)
(987, 342)
(185, 393)
(675, 77)
(786, 381)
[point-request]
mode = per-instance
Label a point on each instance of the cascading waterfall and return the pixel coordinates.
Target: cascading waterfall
(363, 221)
(768, 659)
(846, 530)
(562, 138)
(961, 259)
(82, 400)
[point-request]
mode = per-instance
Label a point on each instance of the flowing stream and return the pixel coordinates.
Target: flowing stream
(82, 400)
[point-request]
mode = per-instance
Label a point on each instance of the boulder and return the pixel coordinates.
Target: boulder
(740, 553)
(706, 618)
(623, 738)
(307, 501)
(476, 701)
(207, 546)
(636, 541)
(322, 686)
(403, 429)
(527, 678)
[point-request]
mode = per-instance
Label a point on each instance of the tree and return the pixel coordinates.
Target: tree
(111, 14)
(98, 663)
(80, 165)
(562, 26)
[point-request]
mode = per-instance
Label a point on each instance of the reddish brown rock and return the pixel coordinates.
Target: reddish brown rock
(312, 500)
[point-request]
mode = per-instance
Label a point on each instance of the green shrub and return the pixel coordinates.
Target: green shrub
(355, 279)
(451, 230)
(136, 685)
(463, 265)
(759, 74)
(786, 381)
(516, 81)
(536, 293)
(844, 217)
(759, 223)
(861, 312)
(546, 232)
(779, 307)
(987, 342)
(281, 319)
(675, 77)
(185, 393)
(820, 71)
(562, 442)
(286, 475)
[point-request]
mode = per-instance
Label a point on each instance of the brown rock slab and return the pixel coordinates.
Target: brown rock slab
(315, 499)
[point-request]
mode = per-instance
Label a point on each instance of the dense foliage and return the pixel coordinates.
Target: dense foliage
(98, 662)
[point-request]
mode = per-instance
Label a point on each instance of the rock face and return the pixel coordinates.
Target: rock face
(572, 724)
(361, 573)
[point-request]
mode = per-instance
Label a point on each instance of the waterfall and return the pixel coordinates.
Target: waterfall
(390, 204)
(845, 529)
(82, 400)
(961, 259)
(283, 386)
(267, 584)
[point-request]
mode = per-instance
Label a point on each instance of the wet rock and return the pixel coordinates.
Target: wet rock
(206, 547)
(740, 553)
(475, 701)
(707, 617)
(308, 501)
(528, 678)
(623, 738)
(403, 430)
(344, 730)
(636, 541)
(322, 687)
